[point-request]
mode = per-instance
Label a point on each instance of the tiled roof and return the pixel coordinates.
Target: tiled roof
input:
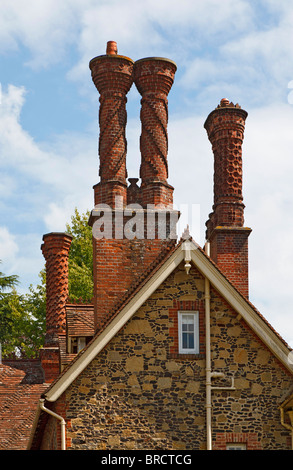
(80, 320)
(18, 405)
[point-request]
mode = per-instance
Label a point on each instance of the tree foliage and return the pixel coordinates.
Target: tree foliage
(80, 263)
(23, 316)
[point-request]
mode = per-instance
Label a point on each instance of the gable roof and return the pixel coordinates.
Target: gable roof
(189, 252)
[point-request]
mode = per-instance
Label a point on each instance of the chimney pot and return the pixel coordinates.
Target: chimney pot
(224, 102)
(111, 48)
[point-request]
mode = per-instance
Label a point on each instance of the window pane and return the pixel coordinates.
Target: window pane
(187, 318)
(187, 341)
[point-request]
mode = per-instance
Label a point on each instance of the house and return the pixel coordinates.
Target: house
(172, 355)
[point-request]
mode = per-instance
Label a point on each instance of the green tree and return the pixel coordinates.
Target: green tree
(22, 320)
(23, 317)
(6, 320)
(80, 262)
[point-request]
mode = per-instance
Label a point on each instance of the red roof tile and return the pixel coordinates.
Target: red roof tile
(18, 405)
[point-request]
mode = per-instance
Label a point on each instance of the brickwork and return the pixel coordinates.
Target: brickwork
(55, 250)
(154, 78)
(136, 395)
(225, 129)
(120, 259)
(229, 248)
(112, 75)
(250, 440)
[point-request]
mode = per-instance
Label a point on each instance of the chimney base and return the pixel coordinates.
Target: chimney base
(229, 250)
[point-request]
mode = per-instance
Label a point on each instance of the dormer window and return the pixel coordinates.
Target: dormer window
(77, 343)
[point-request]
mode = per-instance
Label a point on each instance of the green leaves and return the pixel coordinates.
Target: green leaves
(23, 317)
(80, 263)
(22, 320)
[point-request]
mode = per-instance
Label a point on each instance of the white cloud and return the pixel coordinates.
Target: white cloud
(58, 163)
(42, 185)
(46, 28)
(8, 245)
(235, 49)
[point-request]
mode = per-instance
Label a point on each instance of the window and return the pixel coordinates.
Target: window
(76, 344)
(236, 446)
(188, 332)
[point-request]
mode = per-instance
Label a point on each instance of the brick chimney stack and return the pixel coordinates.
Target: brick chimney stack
(154, 78)
(55, 250)
(225, 228)
(120, 255)
(112, 75)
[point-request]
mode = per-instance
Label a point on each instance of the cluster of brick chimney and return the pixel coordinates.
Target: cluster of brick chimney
(119, 262)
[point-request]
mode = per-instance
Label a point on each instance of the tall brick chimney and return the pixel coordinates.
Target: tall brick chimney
(121, 257)
(112, 75)
(55, 250)
(225, 228)
(154, 77)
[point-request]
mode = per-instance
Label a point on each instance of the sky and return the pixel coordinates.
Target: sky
(236, 49)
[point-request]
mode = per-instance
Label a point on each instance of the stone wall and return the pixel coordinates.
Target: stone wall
(137, 394)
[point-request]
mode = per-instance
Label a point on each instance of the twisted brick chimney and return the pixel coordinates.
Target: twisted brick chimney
(154, 77)
(112, 75)
(225, 228)
(55, 250)
(120, 258)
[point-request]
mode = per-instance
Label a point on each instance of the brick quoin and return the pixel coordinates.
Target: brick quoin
(225, 227)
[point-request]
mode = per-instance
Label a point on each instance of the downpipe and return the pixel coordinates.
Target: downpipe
(209, 374)
(60, 418)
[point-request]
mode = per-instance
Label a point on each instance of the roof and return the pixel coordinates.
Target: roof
(18, 404)
(189, 252)
(80, 320)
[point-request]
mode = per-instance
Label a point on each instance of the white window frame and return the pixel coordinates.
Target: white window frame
(236, 446)
(195, 317)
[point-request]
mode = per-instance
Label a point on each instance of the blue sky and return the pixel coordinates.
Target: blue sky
(237, 49)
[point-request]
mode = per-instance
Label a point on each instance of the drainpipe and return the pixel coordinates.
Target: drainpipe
(60, 418)
(208, 360)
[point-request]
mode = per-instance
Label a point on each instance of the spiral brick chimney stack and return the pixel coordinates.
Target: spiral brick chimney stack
(112, 75)
(225, 228)
(55, 250)
(154, 77)
(121, 256)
